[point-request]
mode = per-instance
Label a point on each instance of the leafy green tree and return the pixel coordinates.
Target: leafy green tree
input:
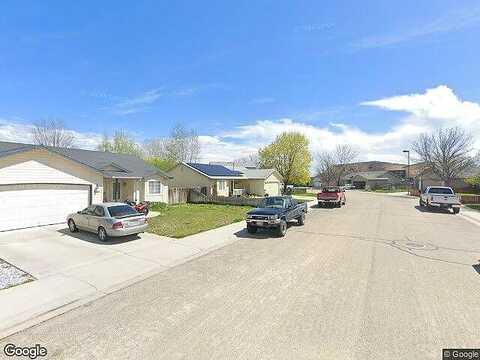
(473, 181)
(290, 156)
(162, 164)
(121, 143)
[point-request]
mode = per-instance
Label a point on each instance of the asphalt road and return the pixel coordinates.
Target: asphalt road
(377, 279)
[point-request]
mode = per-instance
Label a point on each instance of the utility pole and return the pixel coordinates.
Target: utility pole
(408, 166)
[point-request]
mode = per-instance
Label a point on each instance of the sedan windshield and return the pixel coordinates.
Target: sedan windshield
(444, 191)
(122, 211)
(274, 202)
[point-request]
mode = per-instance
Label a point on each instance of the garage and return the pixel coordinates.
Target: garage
(272, 188)
(27, 205)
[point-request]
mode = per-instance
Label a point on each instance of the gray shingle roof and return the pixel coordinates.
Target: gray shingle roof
(127, 165)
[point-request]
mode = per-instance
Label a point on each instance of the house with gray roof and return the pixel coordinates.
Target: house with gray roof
(374, 179)
(41, 185)
(225, 179)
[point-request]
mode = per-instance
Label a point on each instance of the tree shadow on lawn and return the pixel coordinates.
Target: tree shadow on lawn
(92, 238)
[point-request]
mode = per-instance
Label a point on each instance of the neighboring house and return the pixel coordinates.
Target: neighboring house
(41, 185)
(260, 182)
(373, 179)
(221, 180)
(424, 178)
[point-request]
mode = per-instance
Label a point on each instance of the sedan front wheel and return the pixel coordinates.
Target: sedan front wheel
(71, 226)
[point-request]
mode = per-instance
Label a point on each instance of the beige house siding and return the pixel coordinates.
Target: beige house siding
(41, 166)
(226, 188)
(147, 196)
(184, 177)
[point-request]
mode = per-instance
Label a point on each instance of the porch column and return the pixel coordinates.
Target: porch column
(136, 191)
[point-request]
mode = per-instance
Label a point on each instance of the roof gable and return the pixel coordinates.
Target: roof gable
(110, 164)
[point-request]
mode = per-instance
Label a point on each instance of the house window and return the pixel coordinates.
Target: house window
(222, 184)
(154, 187)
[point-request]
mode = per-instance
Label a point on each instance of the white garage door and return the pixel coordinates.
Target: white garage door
(30, 205)
(272, 188)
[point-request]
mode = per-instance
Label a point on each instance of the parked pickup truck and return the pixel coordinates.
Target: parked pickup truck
(275, 213)
(333, 195)
(440, 197)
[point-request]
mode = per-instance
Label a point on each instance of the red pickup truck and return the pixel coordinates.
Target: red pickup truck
(333, 195)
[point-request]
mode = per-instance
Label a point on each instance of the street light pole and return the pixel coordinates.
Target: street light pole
(408, 166)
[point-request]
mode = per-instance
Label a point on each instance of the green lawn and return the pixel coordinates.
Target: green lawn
(178, 221)
(308, 194)
(390, 190)
(473, 206)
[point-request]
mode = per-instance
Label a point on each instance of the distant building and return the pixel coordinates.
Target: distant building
(374, 179)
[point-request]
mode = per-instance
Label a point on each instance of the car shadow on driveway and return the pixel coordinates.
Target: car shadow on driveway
(261, 234)
(92, 238)
(433, 210)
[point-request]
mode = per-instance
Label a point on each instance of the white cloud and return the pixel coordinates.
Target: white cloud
(453, 21)
(137, 103)
(17, 132)
(425, 111)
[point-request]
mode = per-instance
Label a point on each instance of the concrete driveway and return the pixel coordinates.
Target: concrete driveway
(72, 268)
(377, 279)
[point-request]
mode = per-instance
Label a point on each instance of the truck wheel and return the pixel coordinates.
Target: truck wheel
(456, 210)
(251, 229)
(282, 228)
(301, 219)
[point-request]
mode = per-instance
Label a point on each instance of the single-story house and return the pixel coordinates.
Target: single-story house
(260, 182)
(373, 179)
(220, 180)
(41, 185)
(424, 178)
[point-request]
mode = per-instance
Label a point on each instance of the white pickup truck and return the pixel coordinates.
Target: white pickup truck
(440, 197)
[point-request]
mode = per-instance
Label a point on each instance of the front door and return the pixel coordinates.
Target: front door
(115, 190)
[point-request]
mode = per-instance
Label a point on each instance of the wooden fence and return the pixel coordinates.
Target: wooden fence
(464, 199)
(197, 197)
(177, 195)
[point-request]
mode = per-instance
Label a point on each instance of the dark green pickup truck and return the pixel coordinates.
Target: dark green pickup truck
(275, 213)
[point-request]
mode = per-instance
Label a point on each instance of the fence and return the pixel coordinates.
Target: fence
(464, 199)
(197, 197)
(470, 199)
(177, 195)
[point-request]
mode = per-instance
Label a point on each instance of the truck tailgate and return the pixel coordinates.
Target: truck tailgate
(444, 199)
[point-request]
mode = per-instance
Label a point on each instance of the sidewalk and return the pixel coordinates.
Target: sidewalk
(470, 215)
(107, 270)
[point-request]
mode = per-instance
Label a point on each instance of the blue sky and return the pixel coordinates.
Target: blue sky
(241, 71)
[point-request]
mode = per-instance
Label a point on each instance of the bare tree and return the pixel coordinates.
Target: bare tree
(183, 145)
(332, 166)
(326, 169)
(156, 147)
(344, 156)
(52, 132)
(121, 143)
(446, 152)
(250, 160)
